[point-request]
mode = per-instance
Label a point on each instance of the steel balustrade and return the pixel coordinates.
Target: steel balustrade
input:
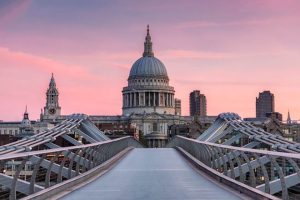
(76, 123)
(268, 171)
(229, 128)
(37, 170)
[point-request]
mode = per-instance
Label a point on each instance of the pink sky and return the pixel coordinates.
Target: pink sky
(229, 50)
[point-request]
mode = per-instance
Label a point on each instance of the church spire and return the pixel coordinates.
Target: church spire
(289, 120)
(148, 45)
(52, 81)
(25, 116)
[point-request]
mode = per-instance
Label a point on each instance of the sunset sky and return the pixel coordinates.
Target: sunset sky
(230, 50)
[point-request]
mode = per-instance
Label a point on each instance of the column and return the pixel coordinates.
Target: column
(134, 99)
(140, 97)
(158, 98)
(144, 102)
(167, 99)
(154, 103)
(123, 100)
(128, 99)
(149, 99)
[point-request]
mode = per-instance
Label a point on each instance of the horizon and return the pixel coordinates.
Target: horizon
(230, 52)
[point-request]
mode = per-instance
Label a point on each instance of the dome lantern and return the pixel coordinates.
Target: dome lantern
(148, 45)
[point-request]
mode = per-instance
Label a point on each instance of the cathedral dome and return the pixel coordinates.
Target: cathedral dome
(148, 89)
(148, 66)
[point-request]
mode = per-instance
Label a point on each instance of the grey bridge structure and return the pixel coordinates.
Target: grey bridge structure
(231, 160)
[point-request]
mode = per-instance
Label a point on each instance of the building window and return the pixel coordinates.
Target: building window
(16, 132)
(5, 132)
(10, 132)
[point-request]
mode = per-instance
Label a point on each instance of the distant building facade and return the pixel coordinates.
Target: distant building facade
(11, 131)
(290, 129)
(274, 115)
(198, 105)
(177, 107)
(264, 104)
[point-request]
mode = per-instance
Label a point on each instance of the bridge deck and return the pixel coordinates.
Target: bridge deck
(152, 174)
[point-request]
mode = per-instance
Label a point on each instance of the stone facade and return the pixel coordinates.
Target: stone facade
(148, 87)
(52, 110)
(177, 107)
(20, 129)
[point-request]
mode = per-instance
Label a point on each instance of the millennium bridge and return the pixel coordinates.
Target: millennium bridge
(232, 159)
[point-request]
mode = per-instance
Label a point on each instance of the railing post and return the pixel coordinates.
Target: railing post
(34, 173)
(13, 190)
(49, 170)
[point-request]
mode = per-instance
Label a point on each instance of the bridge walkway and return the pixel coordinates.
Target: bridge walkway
(152, 174)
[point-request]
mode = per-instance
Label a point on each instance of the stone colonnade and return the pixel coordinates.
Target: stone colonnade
(159, 143)
(136, 99)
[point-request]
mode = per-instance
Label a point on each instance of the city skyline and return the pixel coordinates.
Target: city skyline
(229, 60)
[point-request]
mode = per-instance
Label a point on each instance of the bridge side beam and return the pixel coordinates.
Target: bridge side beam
(21, 185)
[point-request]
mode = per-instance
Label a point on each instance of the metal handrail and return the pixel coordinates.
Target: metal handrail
(54, 166)
(271, 153)
(59, 149)
(272, 172)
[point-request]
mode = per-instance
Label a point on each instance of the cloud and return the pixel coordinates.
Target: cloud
(11, 10)
(24, 78)
(13, 59)
(206, 24)
(189, 54)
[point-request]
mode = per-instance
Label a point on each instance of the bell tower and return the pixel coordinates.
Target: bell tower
(52, 110)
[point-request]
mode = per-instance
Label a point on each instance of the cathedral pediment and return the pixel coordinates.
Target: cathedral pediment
(149, 116)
